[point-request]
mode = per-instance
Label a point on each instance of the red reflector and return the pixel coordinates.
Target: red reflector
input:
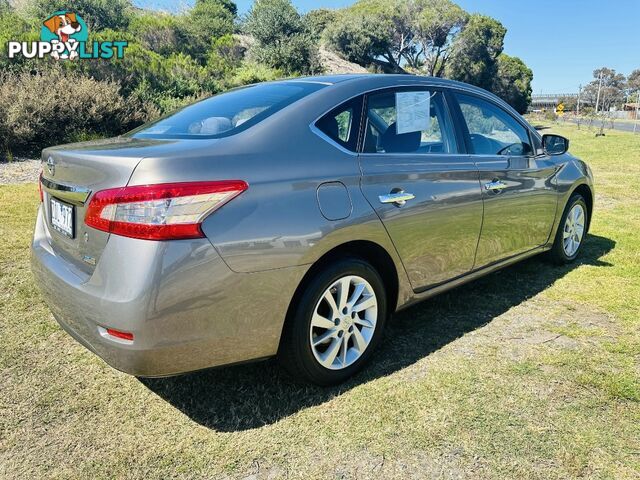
(40, 188)
(119, 334)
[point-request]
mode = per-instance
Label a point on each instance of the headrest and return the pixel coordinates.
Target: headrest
(400, 143)
(329, 125)
(211, 126)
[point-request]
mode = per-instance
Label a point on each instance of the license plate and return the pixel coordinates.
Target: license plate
(62, 217)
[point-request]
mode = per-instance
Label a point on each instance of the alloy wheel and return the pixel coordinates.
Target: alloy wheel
(343, 322)
(573, 230)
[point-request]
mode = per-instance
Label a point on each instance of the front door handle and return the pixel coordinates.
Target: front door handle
(495, 185)
(399, 198)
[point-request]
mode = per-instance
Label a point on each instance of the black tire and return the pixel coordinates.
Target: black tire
(295, 353)
(557, 253)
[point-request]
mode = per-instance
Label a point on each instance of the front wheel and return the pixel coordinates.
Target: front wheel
(336, 324)
(571, 231)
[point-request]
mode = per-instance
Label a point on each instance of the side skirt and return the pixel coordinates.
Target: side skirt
(433, 290)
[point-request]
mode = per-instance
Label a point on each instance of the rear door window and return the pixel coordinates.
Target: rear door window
(342, 124)
(408, 121)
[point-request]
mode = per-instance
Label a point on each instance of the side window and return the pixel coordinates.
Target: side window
(408, 121)
(342, 123)
(492, 130)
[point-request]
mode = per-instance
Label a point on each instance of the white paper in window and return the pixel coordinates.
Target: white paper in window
(413, 111)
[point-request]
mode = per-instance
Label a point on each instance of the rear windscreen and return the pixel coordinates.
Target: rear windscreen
(227, 113)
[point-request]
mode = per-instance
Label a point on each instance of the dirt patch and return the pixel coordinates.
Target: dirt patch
(605, 202)
(334, 64)
(21, 170)
(521, 330)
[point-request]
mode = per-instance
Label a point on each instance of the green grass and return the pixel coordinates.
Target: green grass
(532, 372)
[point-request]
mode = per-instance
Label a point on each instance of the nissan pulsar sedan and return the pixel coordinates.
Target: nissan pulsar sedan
(292, 218)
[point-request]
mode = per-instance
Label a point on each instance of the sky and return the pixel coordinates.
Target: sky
(562, 41)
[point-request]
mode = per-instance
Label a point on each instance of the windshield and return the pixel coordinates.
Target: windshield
(227, 113)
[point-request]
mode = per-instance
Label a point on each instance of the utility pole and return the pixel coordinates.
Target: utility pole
(578, 104)
(598, 95)
(635, 125)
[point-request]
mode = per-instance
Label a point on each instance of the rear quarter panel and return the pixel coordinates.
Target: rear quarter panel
(277, 222)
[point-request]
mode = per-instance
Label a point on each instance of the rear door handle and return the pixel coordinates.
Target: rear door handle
(399, 198)
(495, 185)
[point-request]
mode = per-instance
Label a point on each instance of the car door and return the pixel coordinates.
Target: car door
(425, 192)
(517, 186)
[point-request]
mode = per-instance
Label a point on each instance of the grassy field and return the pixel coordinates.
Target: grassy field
(532, 372)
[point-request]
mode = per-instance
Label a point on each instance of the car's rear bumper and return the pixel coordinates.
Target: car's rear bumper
(186, 309)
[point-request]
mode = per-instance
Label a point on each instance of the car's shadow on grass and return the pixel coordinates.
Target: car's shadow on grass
(252, 395)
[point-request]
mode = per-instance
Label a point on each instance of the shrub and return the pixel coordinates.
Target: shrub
(139, 64)
(54, 107)
(225, 55)
(253, 73)
(156, 31)
(283, 41)
(297, 55)
(318, 20)
(14, 27)
(167, 104)
(98, 14)
(206, 21)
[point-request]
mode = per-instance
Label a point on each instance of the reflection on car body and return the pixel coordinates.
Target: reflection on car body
(291, 218)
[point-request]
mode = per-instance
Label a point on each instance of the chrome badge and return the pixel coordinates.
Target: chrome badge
(51, 166)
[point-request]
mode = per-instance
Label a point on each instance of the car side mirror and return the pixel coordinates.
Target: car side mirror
(554, 144)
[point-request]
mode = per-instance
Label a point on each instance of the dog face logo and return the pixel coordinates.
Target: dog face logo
(64, 35)
(64, 29)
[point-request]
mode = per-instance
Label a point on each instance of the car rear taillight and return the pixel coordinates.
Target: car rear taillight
(166, 211)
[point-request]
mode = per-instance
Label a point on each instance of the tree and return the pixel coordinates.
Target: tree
(396, 35)
(205, 22)
(318, 20)
(611, 86)
(475, 51)
(360, 39)
(513, 82)
(436, 23)
(283, 41)
(271, 21)
(633, 82)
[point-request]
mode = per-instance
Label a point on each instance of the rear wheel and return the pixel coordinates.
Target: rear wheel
(336, 324)
(571, 231)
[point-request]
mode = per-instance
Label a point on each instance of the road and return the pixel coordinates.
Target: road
(623, 126)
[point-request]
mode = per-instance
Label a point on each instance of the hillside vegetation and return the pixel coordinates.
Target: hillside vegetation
(175, 58)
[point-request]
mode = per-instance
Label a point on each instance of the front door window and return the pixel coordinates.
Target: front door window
(492, 130)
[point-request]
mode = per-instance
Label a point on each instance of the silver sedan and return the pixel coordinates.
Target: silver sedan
(292, 218)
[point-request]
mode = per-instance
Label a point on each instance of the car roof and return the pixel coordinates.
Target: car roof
(389, 78)
(383, 80)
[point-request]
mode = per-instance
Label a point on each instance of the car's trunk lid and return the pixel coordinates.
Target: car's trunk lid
(71, 174)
